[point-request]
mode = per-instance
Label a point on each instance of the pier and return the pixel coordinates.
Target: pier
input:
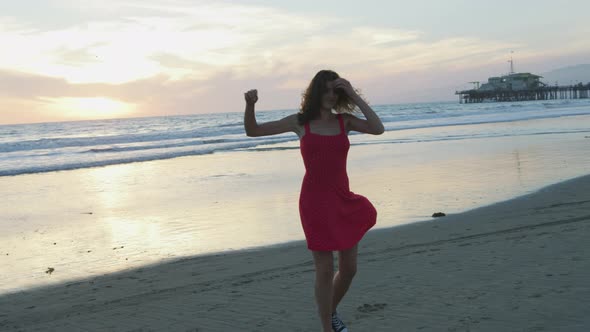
(579, 91)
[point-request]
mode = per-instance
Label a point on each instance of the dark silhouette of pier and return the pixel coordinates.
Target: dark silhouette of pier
(578, 91)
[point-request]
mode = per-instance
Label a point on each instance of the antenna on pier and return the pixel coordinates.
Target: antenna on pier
(511, 63)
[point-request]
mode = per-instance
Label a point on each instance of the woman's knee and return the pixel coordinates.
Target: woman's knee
(347, 262)
(347, 271)
(324, 264)
(323, 278)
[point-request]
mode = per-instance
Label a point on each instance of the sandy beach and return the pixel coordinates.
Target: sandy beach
(166, 166)
(93, 221)
(517, 265)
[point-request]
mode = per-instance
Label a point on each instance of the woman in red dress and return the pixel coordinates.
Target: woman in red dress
(333, 218)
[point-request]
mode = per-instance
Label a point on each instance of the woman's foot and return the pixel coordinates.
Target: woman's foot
(337, 323)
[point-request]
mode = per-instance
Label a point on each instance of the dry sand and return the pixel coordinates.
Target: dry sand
(519, 265)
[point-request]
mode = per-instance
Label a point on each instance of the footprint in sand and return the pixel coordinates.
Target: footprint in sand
(367, 308)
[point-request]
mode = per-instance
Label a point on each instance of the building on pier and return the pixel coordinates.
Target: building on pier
(513, 82)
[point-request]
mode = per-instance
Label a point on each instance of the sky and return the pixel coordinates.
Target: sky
(66, 60)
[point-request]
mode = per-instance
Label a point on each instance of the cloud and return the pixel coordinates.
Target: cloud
(250, 40)
(78, 56)
(199, 57)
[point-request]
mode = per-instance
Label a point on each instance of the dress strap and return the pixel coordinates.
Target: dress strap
(306, 126)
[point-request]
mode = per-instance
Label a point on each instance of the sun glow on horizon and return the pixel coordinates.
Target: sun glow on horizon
(91, 108)
(121, 59)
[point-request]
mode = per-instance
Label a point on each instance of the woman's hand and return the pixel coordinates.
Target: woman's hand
(251, 97)
(341, 83)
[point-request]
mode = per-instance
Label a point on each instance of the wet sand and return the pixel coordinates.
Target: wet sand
(101, 220)
(517, 265)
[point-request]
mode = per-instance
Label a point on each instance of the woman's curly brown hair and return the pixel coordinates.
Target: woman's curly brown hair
(311, 99)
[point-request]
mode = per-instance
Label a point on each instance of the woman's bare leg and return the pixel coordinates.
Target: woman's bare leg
(343, 278)
(324, 272)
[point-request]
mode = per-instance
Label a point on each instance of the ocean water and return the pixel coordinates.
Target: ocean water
(45, 147)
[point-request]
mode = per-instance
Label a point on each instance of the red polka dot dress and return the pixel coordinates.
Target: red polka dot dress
(332, 216)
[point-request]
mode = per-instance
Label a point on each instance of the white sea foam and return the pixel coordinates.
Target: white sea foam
(44, 147)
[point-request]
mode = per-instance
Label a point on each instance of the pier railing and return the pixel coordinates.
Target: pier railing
(579, 91)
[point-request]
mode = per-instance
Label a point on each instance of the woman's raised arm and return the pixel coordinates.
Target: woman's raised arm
(253, 129)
